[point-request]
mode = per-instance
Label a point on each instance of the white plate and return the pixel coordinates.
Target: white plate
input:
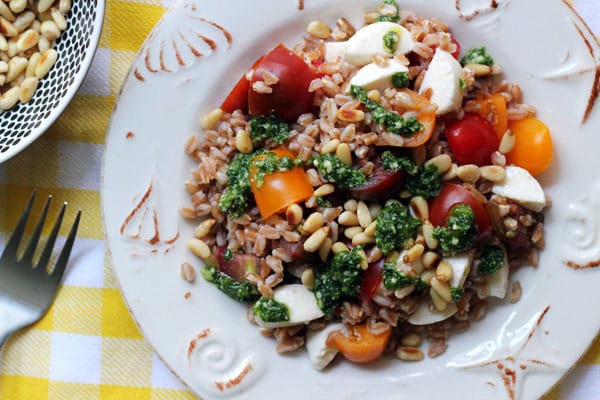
(542, 44)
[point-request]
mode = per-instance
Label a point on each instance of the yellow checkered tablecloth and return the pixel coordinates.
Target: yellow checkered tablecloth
(87, 346)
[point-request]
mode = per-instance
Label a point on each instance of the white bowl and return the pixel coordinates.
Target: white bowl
(76, 47)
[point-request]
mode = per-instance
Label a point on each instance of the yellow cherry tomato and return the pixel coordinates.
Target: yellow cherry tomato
(533, 145)
(492, 107)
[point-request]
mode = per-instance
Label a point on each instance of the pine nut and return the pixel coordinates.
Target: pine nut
(427, 275)
(7, 28)
(318, 29)
(9, 98)
(199, 248)
(330, 146)
(44, 5)
(479, 69)
(293, 214)
(420, 208)
(374, 209)
(50, 30)
(352, 231)
(344, 154)
(17, 6)
(314, 241)
(33, 62)
(15, 67)
(507, 143)
(6, 12)
(443, 272)
(59, 18)
(27, 88)
(499, 159)
(3, 43)
(204, 228)
(12, 47)
(338, 247)
(43, 44)
(438, 302)
(350, 115)
(325, 249)
(442, 288)
(47, 60)
(308, 278)
(404, 291)
(441, 162)
(411, 340)
(450, 174)
(361, 239)
(407, 353)
(374, 95)
(430, 241)
(243, 143)
(371, 229)
(3, 67)
(364, 264)
(211, 119)
(414, 253)
(493, 173)
(468, 173)
(351, 205)
(64, 6)
(28, 39)
(419, 155)
(348, 218)
(313, 222)
(324, 190)
(188, 273)
(363, 214)
(24, 20)
(430, 259)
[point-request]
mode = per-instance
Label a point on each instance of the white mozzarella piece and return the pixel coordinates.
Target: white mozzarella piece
(521, 187)
(426, 315)
(319, 353)
(334, 51)
(368, 41)
(301, 303)
(498, 281)
(461, 266)
(372, 76)
(445, 78)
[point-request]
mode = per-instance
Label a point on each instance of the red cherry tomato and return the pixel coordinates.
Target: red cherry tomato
(456, 53)
(472, 139)
(452, 195)
(290, 96)
(238, 97)
(371, 280)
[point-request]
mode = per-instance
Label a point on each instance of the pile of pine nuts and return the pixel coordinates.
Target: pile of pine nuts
(28, 30)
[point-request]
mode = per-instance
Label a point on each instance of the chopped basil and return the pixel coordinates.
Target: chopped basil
(390, 41)
(394, 227)
(492, 259)
(234, 199)
(228, 255)
(460, 232)
(262, 127)
(477, 55)
(270, 310)
(392, 121)
(400, 80)
(243, 292)
(390, 18)
(457, 293)
(421, 180)
(335, 171)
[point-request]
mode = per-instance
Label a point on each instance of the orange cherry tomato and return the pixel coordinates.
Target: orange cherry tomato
(425, 115)
(533, 145)
(361, 346)
(493, 109)
(280, 189)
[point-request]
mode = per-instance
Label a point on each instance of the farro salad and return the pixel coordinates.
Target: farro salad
(368, 190)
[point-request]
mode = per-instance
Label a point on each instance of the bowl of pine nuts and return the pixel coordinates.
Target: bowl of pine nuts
(46, 49)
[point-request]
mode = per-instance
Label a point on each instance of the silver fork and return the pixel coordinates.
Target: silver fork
(27, 290)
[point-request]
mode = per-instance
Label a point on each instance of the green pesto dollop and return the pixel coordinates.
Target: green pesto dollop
(272, 127)
(244, 292)
(394, 227)
(492, 259)
(392, 121)
(266, 162)
(335, 171)
(460, 232)
(390, 41)
(457, 293)
(425, 183)
(235, 197)
(338, 279)
(477, 55)
(270, 310)
(400, 80)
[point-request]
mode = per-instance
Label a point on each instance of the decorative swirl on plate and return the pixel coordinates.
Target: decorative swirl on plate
(581, 230)
(169, 50)
(513, 355)
(217, 365)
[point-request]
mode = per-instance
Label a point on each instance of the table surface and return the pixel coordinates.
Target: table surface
(76, 351)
